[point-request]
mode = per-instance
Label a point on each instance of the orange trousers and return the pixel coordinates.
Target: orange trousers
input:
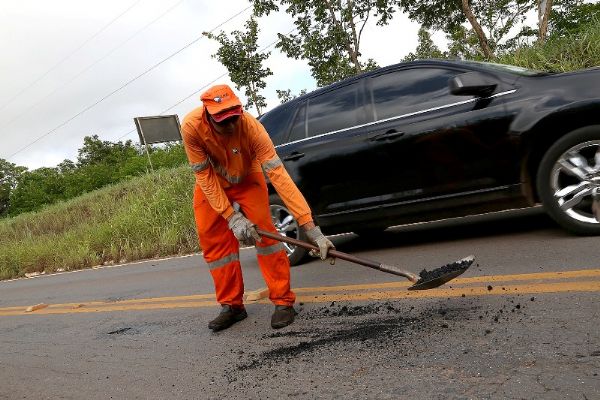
(221, 248)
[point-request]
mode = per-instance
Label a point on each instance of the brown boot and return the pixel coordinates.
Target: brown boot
(282, 316)
(227, 317)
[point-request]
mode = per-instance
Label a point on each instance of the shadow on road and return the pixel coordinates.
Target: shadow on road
(495, 224)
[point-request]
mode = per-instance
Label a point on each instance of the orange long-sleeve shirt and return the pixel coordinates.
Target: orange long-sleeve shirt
(220, 161)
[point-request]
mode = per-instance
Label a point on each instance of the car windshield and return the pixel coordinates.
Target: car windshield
(508, 68)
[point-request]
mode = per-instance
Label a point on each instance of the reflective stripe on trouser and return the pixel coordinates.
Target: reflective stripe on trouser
(220, 248)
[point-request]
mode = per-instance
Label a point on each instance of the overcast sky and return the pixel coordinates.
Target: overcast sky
(71, 69)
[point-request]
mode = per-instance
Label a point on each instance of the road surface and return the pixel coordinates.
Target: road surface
(521, 323)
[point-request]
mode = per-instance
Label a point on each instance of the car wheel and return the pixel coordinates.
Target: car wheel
(568, 181)
(286, 225)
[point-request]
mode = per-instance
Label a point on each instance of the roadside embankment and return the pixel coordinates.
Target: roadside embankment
(145, 217)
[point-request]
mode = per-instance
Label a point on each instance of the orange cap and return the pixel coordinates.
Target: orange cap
(219, 98)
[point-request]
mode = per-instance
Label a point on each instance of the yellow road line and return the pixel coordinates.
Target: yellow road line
(561, 287)
(370, 293)
(586, 273)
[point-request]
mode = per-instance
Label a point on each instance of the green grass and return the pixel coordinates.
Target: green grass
(560, 54)
(145, 217)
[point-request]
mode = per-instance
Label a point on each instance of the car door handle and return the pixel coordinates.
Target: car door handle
(391, 134)
(294, 156)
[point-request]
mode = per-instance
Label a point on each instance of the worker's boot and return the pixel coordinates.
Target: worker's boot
(227, 317)
(282, 316)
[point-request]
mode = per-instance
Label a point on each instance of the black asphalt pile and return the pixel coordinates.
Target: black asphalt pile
(428, 276)
(383, 326)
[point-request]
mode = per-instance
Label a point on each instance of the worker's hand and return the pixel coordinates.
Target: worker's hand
(243, 229)
(314, 235)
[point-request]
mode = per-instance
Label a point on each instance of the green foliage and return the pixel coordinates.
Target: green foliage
(568, 16)
(498, 18)
(328, 33)
(99, 163)
(425, 49)
(287, 95)
(96, 151)
(145, 217)
(580, 49)
(9, 176)
(442, 15)
(244, 63)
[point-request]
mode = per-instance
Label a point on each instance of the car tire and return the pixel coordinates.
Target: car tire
(568, 177)
(286, 225)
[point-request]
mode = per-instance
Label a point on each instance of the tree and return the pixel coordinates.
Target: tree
(425, 49)
(96, 151)
(492, 21)
(568, 16)
(244, 63)
(544, 9)
(287, 95)
(9, 176)
(483, 40)
(463, 43)
(328, 33)
(37, 188)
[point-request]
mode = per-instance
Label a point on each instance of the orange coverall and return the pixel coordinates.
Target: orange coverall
(231, 169)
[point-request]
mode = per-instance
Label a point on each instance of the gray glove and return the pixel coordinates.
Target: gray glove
(243, 229)
(324, 244)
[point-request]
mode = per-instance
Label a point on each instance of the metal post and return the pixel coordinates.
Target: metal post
(141, 132)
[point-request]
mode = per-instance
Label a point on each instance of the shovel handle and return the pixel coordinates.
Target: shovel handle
(342, 256)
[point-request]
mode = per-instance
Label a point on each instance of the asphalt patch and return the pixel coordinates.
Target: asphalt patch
(375, 325)
(120, 331)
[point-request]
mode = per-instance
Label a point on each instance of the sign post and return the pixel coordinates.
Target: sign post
(157, 129)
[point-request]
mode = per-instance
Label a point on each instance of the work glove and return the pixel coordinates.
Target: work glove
(324, 244)
(243, 229)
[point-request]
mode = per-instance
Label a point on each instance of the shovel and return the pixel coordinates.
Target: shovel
(425, 279)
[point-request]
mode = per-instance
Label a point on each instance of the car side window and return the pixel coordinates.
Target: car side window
(336, 109)
(298, 130)
(406, 91)
(276, 123)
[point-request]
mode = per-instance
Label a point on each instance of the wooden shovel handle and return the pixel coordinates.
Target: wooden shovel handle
(342, 256)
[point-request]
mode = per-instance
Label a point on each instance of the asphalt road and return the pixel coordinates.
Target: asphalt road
(521, 323)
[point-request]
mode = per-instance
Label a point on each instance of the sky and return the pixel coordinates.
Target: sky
(71, 69)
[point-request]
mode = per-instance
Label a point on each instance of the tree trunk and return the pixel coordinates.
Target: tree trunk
(253, 95)
(544, 9)
(483, 42)
(352, 52)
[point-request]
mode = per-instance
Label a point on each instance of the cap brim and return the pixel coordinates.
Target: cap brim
(237, 110)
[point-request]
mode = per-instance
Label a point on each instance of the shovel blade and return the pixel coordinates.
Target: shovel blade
(439, 276)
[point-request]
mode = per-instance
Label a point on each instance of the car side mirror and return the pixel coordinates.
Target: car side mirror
(472, 84)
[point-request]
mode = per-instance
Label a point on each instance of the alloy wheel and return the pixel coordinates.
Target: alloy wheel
(285, 224)
(575, 181)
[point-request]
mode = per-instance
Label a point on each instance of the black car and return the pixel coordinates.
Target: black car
(429, 140)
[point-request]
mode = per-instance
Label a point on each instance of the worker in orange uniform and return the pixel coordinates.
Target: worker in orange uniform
(230, 151)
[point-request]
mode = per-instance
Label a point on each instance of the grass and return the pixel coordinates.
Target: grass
(145, 217)
(560, 54)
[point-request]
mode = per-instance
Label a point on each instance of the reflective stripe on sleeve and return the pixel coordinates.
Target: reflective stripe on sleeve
(265, 251)
(223, 172)
(272, 163)
(223, 261)
(197, 167)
